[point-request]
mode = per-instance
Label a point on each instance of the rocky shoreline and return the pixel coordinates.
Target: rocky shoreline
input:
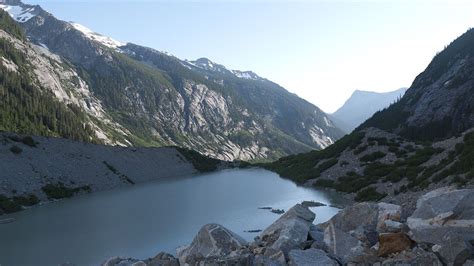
(439, 231)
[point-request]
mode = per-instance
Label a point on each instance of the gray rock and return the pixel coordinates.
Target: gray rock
(163, 259)
(440, 212)
(310, 203)
(290, 230)
(263, 260)
(414, 257)
(310, 257)
(350, 233)
(469, 263)
(318, 239)
(346, 247)
(361, 214)
(119, 261)
(387, 213)
(393, 226)
(213, 240)
(454, 250)
(275, 255)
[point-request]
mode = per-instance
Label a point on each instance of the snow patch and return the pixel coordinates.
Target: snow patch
(246, 75)
(19, 13)
(318, 136)
(107, 41)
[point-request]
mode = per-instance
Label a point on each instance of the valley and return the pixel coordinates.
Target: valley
(117, 154)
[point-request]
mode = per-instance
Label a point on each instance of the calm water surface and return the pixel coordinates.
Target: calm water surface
(142, 220)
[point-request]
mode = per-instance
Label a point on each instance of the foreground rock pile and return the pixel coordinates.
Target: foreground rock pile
(439, 232)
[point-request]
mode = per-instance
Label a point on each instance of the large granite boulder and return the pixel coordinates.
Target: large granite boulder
(441, 211)
(414, 257)
(445, 218)
(310, 257)
(454, 250)
(290, 230)
(351, 234)
(212, 241)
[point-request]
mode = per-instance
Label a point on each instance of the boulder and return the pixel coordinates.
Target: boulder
(469, 263)
(347, 247)
(442, 211)
(310, 257)
(350, 233)
(370, 216)
(212, 240)
(414, 257)
(393, 226)
(387, 212)
(317, 236)
(163, 259)
(262, 260)
(276, 256)
(454, 250)
(390, 243)
(290, 230)
(359, 215)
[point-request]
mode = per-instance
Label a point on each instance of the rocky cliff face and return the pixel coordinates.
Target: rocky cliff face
(440, 102)
(362, 234)
(144, 97)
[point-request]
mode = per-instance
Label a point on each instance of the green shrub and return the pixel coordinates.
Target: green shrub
(59, 191)
(200, 162)
(393, 149)
(15, 149)
(327, 164)
(343, 163)
(301, 167)
(360, 149)
(373, 156)
(8, 206)
(324, 183)
(29, 141)
(369, 194)
(29, 200)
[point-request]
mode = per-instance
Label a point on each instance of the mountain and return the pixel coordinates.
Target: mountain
(126, 94)
(423, 141)
(362, 105)
(440, 102)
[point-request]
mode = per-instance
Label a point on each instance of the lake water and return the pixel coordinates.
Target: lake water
(142, 220)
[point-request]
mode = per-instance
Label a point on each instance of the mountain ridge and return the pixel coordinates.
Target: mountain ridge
(150, 98)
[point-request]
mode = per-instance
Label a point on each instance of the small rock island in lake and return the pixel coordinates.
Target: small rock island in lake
(440, 231)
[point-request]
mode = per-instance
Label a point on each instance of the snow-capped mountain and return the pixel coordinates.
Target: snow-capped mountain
(127, 94)
(107, 41)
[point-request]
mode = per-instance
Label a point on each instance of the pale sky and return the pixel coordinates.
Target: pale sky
(320, 50)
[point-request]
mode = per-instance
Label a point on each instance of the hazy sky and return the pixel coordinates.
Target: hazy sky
(320, 50)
